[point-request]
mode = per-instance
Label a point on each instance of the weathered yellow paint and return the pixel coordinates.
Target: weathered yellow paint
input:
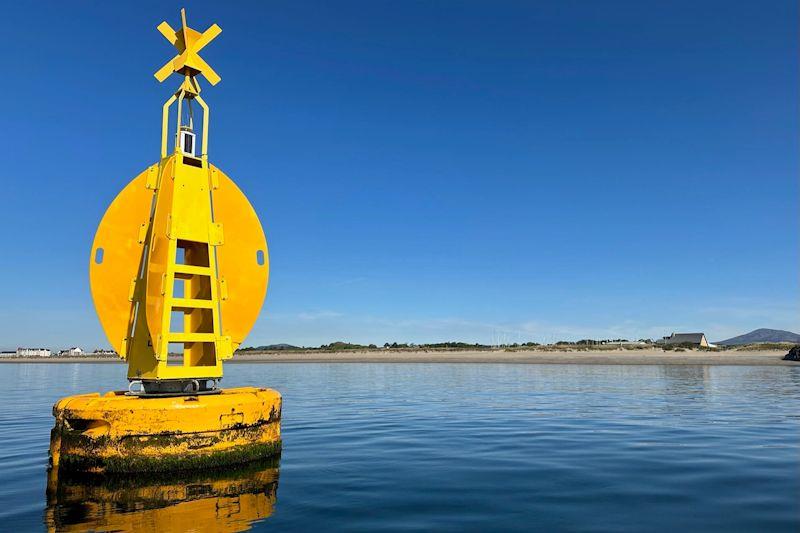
(220, 500)
(121, 433)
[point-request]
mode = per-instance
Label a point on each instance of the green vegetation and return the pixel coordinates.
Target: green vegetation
(762, 346)
(339, 346)
(679, 347)
(343, 346)
(582, 345)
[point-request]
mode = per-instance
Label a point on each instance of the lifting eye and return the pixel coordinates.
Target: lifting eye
(98, 256)
(260, 257)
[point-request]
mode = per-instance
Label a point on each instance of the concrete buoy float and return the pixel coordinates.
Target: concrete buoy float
(178, 273)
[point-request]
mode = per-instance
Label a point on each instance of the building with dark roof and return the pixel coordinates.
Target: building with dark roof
(695, 339)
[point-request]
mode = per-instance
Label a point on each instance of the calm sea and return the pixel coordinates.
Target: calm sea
(448, 447)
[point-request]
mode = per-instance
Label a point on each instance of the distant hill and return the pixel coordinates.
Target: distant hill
(269, 348)
(282, 346)
(762, 335)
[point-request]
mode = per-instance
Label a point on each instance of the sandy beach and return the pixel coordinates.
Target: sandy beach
(605, 357)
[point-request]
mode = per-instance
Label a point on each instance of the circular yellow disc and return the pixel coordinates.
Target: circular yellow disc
(118, 252)
(242, 260)
(117, 255)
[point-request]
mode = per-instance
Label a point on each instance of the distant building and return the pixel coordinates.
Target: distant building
(34, 352)
(694, 339)
(8, 354)
(71, 352)
(622, 342)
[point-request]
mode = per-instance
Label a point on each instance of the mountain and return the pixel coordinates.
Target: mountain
(762, 335)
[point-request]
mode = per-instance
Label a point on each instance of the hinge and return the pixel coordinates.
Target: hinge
(224, 348)
(142, 232)
(214, 179)
(152, 178)
(215, 235)
(223, 289)
(169, 227)
(157, 349)
(132, 290)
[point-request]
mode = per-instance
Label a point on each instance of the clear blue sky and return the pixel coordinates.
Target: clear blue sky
(428, 171)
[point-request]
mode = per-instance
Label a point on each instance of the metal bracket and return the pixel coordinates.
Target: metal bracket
(157, 349)
(170, 229)
(152, 178)
(224, 348)
(215, 234)
(142, 232)
(132, 290)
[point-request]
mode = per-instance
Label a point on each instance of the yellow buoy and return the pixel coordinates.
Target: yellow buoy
(178, 273)
(124, 433)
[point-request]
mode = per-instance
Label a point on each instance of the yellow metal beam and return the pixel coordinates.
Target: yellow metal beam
(191, 337)
(191, 270)
(165, 125)
(206, 125)
(191, 303)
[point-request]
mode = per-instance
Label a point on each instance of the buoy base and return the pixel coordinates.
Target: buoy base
(122, 433)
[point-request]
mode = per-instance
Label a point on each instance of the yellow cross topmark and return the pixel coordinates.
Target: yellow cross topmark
(188, 42)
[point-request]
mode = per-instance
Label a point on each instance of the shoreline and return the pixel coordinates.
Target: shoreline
(589, 357)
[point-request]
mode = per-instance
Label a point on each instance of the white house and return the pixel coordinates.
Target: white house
(34, 352)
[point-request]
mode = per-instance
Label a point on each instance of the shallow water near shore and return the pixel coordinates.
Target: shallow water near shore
(448, 446)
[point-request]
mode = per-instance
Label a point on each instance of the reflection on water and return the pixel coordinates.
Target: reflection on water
(217, 500)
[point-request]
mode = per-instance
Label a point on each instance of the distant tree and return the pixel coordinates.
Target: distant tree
(588, 342)
(341, 345)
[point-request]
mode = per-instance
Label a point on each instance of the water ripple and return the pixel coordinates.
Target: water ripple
(406, 447)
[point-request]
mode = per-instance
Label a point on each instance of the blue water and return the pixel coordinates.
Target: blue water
(470, 447)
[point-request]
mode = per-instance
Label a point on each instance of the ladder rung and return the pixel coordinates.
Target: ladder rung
(191, 303)
(183, 271)
(191, 337)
